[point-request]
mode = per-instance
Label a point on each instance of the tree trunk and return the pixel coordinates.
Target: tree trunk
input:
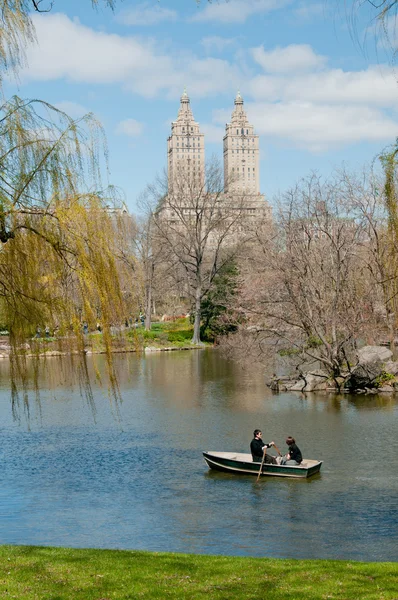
(148, 298)
(196, 326)
(391, 331)
(148, 308)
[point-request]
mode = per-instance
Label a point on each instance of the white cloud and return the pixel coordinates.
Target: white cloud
(373, 86)
(146, 14)
(213, 133)
(73, 109)
(216, 43)
(307, 11)
(296, 57)
(237, 11)
(318, 128)
(129, 127)
(68, 50)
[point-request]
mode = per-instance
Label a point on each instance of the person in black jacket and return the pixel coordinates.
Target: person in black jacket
(293, 456)
(258, 448)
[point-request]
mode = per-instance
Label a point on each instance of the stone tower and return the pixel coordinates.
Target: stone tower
(185, 149)
(241, 154)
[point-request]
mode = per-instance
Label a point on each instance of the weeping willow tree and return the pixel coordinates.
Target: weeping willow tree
(59, 258)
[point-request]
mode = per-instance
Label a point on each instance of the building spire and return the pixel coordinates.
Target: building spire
(238, 99)
(185, 97)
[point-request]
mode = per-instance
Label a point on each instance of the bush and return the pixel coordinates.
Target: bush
(383, 378)
(183, 335)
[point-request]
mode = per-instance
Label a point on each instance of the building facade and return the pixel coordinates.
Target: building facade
(241, 149)
(185, 148)
(241, 154)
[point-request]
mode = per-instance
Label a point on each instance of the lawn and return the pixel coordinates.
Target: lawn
(28, 572)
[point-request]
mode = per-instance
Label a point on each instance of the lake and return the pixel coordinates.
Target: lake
(87, 471)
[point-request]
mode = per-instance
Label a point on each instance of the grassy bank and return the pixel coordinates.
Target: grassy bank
(28, 572)
(162, 336)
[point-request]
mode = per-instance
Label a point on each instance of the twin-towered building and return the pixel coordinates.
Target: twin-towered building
(186, 151)
(186, 161)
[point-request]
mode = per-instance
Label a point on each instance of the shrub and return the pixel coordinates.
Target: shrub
(383, 378)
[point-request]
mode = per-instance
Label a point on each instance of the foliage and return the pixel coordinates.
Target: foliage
(28, 572)
(177, 333)
(59, 260)
(218, 316)
(383, 378)
(183, 336)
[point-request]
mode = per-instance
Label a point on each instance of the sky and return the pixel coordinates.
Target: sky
(318, 93)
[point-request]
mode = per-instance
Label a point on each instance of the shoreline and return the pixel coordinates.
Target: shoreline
(90, 351)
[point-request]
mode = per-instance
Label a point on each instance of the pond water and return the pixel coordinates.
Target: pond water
(88, 472)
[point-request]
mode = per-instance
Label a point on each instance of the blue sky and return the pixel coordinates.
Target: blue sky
(315, 96)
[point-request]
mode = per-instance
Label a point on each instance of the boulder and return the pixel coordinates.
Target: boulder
(371, 364)
(391, 367)
(363, 376)
(386, 388)
(316, 380)
(372, 354)
(297, 386)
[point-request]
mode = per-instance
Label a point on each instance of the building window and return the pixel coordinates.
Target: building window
(237, 132)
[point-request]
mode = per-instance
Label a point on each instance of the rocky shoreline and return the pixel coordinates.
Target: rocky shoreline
(374, 372)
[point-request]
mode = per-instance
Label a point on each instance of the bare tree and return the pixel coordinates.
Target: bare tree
(203, 229)
(151, 254)
(311, 297)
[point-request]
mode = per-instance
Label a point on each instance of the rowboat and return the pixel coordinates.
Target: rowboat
(239, 463)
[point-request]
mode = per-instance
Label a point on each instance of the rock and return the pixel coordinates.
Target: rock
(371, 364)
(298, 386)
(316, 380)
(391, 367)
(371, 354)
(363, 376)
(386, 388)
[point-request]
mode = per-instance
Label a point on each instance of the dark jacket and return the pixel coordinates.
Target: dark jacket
(295, 453)
(256, 448)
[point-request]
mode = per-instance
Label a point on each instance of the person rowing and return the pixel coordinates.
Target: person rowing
(258, 448)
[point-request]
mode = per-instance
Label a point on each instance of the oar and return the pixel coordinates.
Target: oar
(261, 467)
(277, 449)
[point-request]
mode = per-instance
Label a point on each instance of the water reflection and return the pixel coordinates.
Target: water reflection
(132, 475)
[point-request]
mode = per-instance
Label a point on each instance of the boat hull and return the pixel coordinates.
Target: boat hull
(242, 464)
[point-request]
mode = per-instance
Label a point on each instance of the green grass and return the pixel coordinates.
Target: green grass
(176, 334)
(28, 572)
